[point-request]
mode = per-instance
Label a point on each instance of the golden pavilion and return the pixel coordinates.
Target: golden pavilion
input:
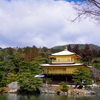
(62, 67)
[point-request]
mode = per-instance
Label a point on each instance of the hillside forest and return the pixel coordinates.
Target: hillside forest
(22, 64)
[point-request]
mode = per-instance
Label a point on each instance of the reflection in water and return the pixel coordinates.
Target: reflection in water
(12, 96)
(55, 97)
(47, 97)
(36, 97)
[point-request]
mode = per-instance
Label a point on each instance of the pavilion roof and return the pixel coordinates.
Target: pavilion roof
(64, 52)
(63, 65)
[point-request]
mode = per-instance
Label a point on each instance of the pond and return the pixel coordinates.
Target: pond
(47, 97)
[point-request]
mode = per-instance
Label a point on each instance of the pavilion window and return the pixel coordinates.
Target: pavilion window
(58, 60)
(68, 59)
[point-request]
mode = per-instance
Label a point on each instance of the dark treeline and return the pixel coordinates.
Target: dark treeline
(22, 64)
(87, 52)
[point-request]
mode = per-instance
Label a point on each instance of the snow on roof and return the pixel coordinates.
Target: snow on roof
(56, 65)
(64, 52)
(78, 64)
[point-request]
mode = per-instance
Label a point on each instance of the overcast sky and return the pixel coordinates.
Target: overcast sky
(43, 23)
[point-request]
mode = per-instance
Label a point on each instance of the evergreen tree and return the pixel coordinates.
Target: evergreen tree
(31, 53)
(86, 55)
(69, 47)
(94, 53)
(64, 86)
(26, 79)
(76, 49)
(99, 53)
(82, 76)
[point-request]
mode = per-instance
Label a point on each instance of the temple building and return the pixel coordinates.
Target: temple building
(62, 67)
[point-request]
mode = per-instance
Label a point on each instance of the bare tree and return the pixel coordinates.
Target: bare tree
(88, 8)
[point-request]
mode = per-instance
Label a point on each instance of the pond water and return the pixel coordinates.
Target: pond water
(47, 97)
(10, 96)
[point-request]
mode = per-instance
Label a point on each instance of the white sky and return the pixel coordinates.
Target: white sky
(43, 23)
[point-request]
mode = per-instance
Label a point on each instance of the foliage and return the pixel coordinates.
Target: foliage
(31, 53)
(96, 63)
(86, 51)
(96, 69)
(2, 89)
(28, 82)
(26, 79)
(48, 80)
(81, 46)
(76, 49)
(64, 86)
(14, 67)
(22, 64)
(11, 77)
(82, 76)
(86, 55)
